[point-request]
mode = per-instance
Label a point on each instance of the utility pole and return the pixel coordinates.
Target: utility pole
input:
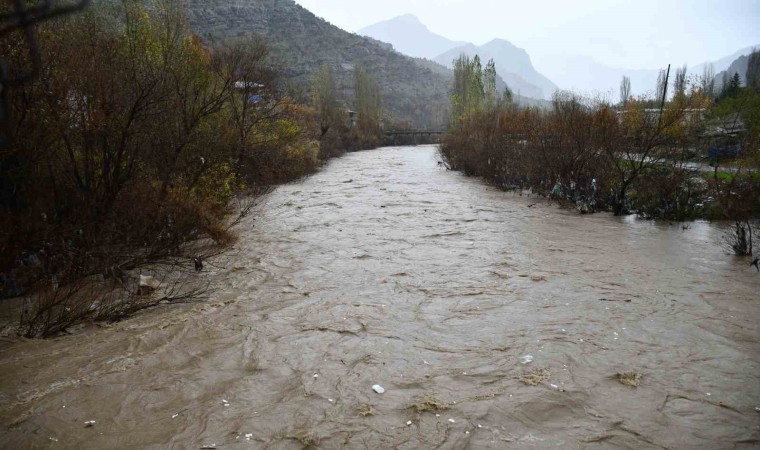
(664, 94)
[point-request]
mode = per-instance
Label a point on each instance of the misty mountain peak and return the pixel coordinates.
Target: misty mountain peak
(409, 19)
(499, 41)
(409, 36)
(503, 44)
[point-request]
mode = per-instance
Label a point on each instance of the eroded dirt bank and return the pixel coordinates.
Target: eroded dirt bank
(386, 269)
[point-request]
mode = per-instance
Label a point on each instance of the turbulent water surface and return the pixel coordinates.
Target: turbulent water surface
(387, 269)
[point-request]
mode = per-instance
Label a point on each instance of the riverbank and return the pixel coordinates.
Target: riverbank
(600, 157)
(385, 268)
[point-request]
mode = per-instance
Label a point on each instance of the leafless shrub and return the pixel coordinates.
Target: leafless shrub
(738, 238)
(51, 308)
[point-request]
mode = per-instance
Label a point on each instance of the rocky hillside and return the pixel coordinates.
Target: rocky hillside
(414, 91)
(739, 66)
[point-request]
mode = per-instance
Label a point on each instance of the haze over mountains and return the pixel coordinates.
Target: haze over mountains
(415, 90)
(410, 36)
(584, 74)
(513, 64)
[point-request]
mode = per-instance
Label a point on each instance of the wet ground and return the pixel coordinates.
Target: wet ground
(387, 269)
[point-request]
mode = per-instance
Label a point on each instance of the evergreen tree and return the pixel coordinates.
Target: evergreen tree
(679, 82)
(731, 86)
(625, 90)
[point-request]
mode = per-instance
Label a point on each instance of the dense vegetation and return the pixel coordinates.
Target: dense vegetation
(643, 155)
(127, 150)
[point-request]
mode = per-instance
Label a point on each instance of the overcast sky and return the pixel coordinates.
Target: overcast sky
(623, 33)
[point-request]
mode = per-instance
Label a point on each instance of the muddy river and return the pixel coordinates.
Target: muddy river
(386, 269)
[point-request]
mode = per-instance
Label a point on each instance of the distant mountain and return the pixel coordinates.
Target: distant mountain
(723, 64)
(513, 64)
(589, 77)
(414, 90)
(409, 36)
(739, 66)
(584, 74)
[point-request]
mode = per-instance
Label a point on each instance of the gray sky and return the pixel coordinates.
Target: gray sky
(623, 33)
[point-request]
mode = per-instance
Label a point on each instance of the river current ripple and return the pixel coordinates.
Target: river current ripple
(384, 268)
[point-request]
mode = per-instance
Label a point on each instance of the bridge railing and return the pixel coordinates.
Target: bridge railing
(411, 132)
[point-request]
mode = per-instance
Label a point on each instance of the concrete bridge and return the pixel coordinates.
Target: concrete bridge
(413, 136)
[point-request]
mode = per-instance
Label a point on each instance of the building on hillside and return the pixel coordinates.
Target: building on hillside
(250, 89)
(691, 116)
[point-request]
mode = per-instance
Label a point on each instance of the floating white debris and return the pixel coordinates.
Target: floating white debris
(554, 386)
(89, 423)
(225, 402)
(248, 436)
(377, 388)
(480, 426)
(423, 362)
(408, 422)
(147, 284)
(452, 421)
(526, 359)
(438, 415)
(316, 375)
(330, 400)
(466, 432)
(208, 446)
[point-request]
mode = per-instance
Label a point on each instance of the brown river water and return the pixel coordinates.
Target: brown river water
(384, 268)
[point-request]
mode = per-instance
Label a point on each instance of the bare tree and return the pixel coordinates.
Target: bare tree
(662, 85)
(645, 140)
(256, 96)
(368, 104)
(324, 97)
